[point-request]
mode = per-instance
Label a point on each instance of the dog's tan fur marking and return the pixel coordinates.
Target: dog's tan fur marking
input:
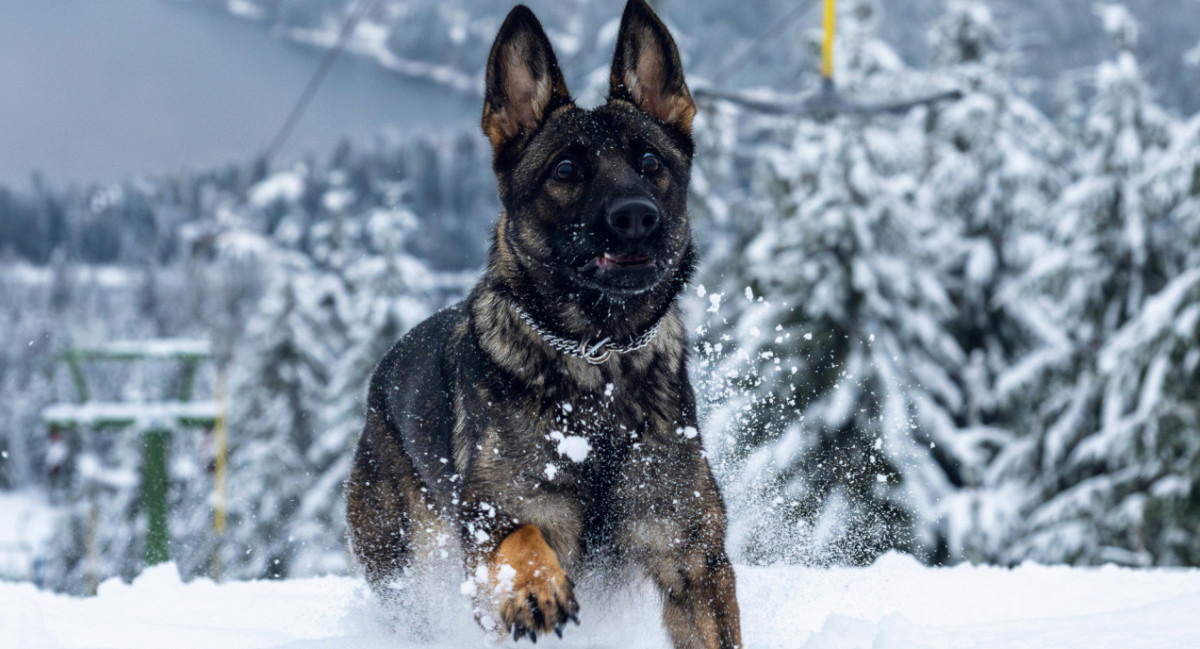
(538, 577)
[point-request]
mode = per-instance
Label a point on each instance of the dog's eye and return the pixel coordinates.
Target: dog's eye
(566, 170)
(650, 163)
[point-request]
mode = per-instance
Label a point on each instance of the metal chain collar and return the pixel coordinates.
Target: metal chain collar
(594, 353)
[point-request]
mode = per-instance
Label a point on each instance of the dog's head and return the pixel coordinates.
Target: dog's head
(594, 200)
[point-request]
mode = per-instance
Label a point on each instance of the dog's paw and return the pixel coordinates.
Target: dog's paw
(540, 607)
(535, 595)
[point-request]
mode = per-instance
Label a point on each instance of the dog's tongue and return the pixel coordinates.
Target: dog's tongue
(609, 260)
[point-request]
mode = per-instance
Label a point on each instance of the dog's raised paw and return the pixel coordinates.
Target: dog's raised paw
(535, 595)
(538, 609)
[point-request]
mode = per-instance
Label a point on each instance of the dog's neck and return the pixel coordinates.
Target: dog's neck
(523, 338)
(595, 349)
(515, 344)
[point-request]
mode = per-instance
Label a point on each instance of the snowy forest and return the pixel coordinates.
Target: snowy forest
(969, 331)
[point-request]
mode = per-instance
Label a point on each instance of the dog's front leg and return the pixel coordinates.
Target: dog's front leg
(700, 609)
(528, 587)
(676, 532)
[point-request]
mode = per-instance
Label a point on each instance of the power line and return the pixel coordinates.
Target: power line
(352, 20)
(779, 28)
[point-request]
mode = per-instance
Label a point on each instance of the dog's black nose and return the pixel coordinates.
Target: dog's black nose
(632, 218)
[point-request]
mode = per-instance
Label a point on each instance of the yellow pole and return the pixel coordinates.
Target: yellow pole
(220, 451)
(93, 553)
(830, 27)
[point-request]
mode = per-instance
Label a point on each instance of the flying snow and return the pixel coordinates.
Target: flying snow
(574, 447)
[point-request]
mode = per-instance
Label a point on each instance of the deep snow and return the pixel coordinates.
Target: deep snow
(895, 604)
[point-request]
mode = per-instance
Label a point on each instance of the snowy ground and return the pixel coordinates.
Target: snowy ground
(26, 522)
(895, 604)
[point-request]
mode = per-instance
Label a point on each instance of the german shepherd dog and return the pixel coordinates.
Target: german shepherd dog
(547, 420)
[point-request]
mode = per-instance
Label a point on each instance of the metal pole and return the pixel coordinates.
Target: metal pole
(92, 578)
(220, 451)
(78, 377)
(154, 495)
(830, 27)
(189, 379)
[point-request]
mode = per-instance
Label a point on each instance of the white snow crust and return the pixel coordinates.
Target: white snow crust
(896, 603)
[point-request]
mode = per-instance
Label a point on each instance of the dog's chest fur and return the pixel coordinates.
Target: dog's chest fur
(570, 414)
(536, 426)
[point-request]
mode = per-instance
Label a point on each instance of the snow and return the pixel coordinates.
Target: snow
(26, 524)
(574, 447)
(371, 41)
(1192, 56)
(504, 578)
(100, 275)
(156, 348)
(894, 603)
(245, 9)
(143, 414)
(286, 186)
(1118, 22)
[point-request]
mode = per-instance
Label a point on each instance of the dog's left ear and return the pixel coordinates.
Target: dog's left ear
(646, 70)
(524, 84)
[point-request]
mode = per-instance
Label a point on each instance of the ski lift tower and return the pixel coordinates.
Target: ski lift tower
(154, 421)
(827, 102)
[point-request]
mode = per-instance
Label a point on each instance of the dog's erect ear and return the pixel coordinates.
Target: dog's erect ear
(646, 69)
(524, 84)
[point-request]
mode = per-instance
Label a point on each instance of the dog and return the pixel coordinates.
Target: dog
(547, 420)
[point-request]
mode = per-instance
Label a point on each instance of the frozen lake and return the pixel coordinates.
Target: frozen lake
(103, 90)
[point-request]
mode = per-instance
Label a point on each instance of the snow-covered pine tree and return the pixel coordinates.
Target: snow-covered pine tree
(276, 396)
(387, 292)
(996, 171)
(1100, 448)
(836, 390)
(1144, 503)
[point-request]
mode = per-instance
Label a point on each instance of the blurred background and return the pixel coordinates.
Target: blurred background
(967, 330)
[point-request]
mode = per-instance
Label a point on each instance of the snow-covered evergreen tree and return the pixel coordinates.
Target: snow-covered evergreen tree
(837, 387)
(275, 407)
(996, 172)
(302, 275)
(386, 293)
(1082, 481)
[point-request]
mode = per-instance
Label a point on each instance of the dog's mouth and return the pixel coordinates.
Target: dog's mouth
(609, 261)
(621, 272)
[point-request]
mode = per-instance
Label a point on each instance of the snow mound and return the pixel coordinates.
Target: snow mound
(895, 604)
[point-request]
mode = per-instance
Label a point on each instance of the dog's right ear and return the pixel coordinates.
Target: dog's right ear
(524, 84)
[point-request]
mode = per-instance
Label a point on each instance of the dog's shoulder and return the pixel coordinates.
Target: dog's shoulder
(410, 398)
(417, 356)
(410, 384)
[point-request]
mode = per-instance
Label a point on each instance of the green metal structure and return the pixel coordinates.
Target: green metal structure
(155, 421)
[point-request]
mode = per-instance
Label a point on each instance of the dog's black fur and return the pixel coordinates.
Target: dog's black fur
(471, 416)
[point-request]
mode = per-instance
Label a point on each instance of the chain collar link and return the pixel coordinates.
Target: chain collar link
(592, 352)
